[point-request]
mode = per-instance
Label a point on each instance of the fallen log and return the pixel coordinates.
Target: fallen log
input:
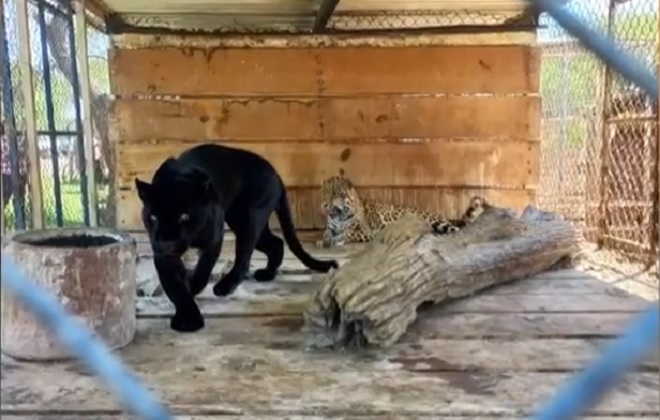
(374, 297)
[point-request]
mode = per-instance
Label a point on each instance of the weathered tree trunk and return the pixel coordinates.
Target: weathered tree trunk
(374, 297)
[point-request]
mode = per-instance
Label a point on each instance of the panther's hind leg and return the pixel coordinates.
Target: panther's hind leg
(273, 247)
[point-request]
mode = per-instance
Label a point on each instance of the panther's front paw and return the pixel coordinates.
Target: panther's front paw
(264, 275)
(187, 321)
(227, 284)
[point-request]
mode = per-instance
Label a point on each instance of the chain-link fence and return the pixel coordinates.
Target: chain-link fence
(600, 140)
(354, 17)
(58, 116)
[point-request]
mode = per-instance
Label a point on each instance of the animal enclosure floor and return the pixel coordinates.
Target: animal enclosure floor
(498, 354)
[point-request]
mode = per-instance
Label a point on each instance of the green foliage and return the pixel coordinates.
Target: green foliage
(72, 210)
(572, 80)
(572, 77)
(72, 206)
(99, 77)
(635, 27)
(62, 96)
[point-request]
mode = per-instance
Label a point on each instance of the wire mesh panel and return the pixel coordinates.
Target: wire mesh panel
(58, 114)
(14, 159)
(630, 138)
(599, 153)
(418, 19)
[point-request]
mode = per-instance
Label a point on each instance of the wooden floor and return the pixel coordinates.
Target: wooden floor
(498, 354)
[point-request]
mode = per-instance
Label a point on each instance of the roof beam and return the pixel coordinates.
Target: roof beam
(324, 13)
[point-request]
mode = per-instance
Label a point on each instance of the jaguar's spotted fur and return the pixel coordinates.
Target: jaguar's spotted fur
(353, 219)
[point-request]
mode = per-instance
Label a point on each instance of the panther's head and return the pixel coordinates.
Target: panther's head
(179, 206)
(340, 202)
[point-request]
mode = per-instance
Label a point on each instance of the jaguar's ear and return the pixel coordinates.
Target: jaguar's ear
(143, 190)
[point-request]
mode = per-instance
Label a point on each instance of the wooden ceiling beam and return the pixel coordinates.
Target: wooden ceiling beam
(323, 15)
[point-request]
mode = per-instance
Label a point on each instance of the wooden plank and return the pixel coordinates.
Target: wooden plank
(414, 352)
(294, 278)
(557, 283)
(200, 381)
(422, 355)
(224, 71)
(27, 90)
(330, 71)
(305, 202)
(440, 163)
(245, 302)
(283, 40)
(547, 325)
(337, 118)
(451, 69)
(430, 325)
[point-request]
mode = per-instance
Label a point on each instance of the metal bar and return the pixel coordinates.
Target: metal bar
(96, 12)
(56, 133)
(36, 198)
(85, 87)
(2, 113)
(603, 193)
(323, 15)
(75, 84)
(9, 127)
(50, 113)
(617, 120)
(52, 8)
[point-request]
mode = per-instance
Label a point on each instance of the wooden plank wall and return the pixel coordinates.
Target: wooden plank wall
(423, 126)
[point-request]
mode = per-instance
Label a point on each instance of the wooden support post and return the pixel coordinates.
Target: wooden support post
(34, 164)
(83, 72)
(324, 13)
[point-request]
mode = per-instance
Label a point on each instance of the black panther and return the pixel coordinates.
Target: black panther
(186, 205)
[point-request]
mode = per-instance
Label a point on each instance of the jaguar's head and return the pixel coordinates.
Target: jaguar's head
(475, 208)
(340, 202)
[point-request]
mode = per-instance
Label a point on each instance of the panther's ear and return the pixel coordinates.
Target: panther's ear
(205, 186)
(209, 191)
(143, 190)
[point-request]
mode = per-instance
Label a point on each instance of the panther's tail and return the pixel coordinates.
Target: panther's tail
(289, 231)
